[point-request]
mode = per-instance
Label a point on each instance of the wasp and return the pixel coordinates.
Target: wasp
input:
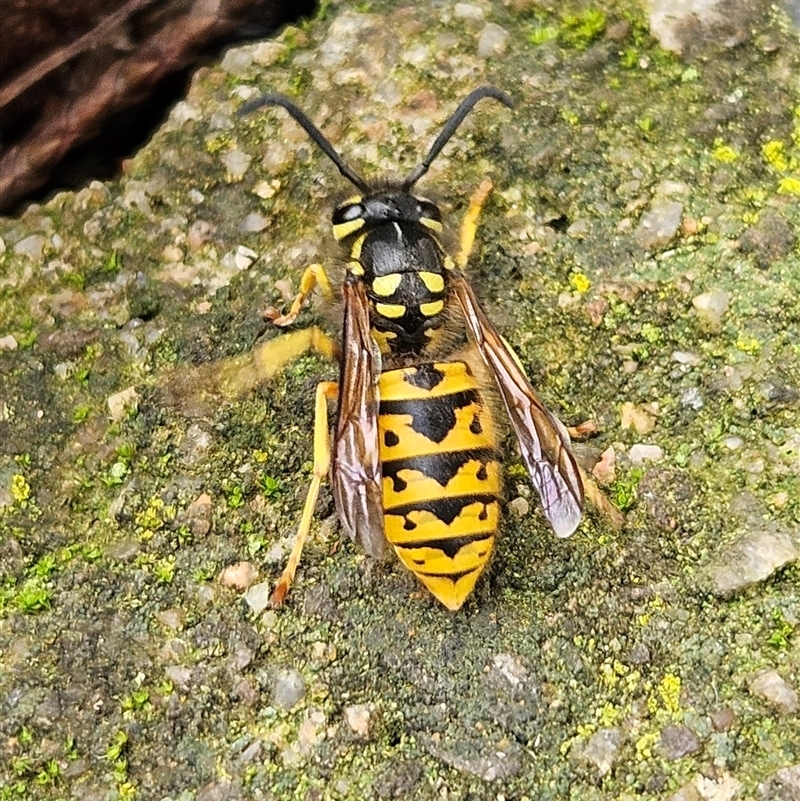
(414, 459)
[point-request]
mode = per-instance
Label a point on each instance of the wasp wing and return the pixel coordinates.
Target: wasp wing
(356, 466)
(543, 442)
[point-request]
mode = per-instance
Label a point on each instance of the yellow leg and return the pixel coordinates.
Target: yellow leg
(327, 390)
(240, 374)
(470, 222)
(234, 376)
(312, 276)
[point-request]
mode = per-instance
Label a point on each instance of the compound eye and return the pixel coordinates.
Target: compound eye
(348, 213)
(429, 211)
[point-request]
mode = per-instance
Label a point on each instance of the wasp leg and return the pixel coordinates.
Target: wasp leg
(598, 499)
(312, 276)
(240, 374)
(326, 390)
(470, 222)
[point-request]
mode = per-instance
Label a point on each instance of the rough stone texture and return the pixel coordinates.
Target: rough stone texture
(772, 687)
(687, 26)
(602, 749)
(783, 785)
(770, 239)
(117, 636)
(678, 742)
(752, 558)
(660, 224)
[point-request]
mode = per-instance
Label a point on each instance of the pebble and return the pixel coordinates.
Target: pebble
(237, 61)
(783, 785)
(723, 719)
(200, 233)
(770, 239)
(358, 717)
(511, 668)
(467, 11)
(244, 257)
(8, 342)
(520, 506)
(236, 163)
(195, 443)
(602, 749)
(637, 417)
(692, 399)
(774, 689)
(267, 53)
(254, 222)
(687, 358)
(605, 470)
(257, 597)
(240, 575)
(199, 515)
(641, 453)
(711, 306)
(31, 246)
(179, 675)
(685, 25)
(752, 558)
(119, 403)
(678, 742)
(171, 618)
(288, 688)
(659, 226)
(492, 41)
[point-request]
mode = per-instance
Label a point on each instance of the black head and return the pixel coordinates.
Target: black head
(385, 206)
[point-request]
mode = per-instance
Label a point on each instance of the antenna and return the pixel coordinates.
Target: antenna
(452, 124)
(316, 135)
(319, 139)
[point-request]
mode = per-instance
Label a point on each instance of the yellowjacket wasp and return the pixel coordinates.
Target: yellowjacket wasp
(414, 460)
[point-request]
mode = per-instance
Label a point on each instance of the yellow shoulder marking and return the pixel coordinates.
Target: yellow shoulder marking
(386, 285)
(390, 310)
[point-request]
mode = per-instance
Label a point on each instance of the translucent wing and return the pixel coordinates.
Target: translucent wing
(544, 444)
(356, 467)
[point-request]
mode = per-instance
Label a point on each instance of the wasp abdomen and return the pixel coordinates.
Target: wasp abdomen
(441, 475)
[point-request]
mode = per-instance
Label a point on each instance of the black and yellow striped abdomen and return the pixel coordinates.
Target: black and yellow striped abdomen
(441, 475)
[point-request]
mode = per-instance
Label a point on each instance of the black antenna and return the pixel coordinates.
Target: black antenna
(316, 135)
(452, 124)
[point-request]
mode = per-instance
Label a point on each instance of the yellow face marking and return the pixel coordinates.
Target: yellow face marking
(390, 310)
(431, 309)
(434, 282)
(355, 251)
(449, 264)
(355, 268)
(385, 285)
(344, 229)
(434, 225)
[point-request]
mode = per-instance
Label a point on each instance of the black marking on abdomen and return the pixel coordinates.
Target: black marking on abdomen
(441, 467)
(425, 376)
(449, 547)
(433, 417)
(444, 509)
(454, 577)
